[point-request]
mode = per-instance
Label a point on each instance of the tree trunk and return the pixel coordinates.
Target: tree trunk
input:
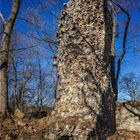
(4, 57)
(3, 83)
(85, 104)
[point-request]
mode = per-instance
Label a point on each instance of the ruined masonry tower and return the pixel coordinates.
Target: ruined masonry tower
(84, 38)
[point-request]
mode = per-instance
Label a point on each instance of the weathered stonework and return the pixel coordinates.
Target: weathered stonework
(128, 116)
(84, 38)
(82, 58)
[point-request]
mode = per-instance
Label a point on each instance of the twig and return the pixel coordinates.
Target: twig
(121, 8)
(2, 17)
(17, 49)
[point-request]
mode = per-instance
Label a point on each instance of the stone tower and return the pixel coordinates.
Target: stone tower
(84, 38)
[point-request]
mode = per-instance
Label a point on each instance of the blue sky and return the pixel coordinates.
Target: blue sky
(131, 62)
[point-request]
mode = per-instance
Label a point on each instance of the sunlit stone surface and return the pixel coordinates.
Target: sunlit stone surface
(84, 38)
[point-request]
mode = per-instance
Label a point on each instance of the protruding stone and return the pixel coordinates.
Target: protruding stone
(21, 123)
(19, 114)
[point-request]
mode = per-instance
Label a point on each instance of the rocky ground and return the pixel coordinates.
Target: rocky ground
(21, 124)
(36, 125)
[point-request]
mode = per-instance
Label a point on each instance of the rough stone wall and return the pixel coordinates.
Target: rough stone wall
(84, 37)
(128, 116)
(83, 58)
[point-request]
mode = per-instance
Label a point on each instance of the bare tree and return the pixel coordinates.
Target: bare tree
(20, 76)
(9, 24)
(115, 72)
(44, 39)
(130, 85)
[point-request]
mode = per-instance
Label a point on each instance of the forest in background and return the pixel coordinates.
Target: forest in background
(32, 75)
(48, 87)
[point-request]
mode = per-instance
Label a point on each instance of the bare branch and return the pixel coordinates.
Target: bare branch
(124, 41)
(121, 8)
(124, 48)
(2, 17)
(20, 49)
